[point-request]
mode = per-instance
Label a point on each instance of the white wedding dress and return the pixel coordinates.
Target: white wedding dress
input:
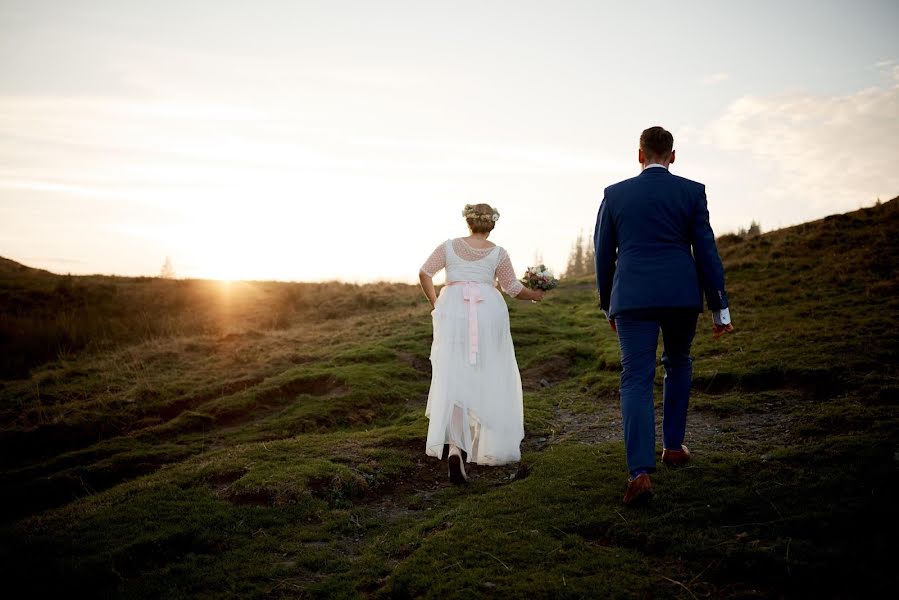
(475, 401)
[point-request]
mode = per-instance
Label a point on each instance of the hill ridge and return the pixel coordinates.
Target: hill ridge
(7, 264)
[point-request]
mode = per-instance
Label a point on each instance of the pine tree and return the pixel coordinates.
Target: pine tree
(589, 258)
(755, 228)
(167, 271)
(580, 260)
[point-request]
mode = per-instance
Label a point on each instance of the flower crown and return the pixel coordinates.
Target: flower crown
(469, 213)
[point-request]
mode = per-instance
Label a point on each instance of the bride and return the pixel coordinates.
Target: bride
(475, 401)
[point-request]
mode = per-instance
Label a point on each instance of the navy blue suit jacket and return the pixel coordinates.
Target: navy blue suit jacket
(655, 247)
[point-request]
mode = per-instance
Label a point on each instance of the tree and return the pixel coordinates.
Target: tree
(580, 260)
(754, 229)
(167, 271)
(589, 258)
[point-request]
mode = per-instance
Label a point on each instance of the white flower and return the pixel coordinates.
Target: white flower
(495, 217)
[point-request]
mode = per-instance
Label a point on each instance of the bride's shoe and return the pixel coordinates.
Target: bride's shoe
(456, 466)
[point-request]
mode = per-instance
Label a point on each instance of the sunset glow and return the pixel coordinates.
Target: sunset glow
(341, 144)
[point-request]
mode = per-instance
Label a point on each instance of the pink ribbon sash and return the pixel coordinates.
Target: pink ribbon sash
(471, 293)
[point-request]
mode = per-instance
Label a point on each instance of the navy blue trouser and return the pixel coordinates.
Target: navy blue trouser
(638, 337)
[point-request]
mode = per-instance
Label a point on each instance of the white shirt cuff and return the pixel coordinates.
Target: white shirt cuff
(721, 317)
(606, 313)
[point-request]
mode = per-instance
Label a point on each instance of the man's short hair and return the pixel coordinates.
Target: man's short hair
(656, 142)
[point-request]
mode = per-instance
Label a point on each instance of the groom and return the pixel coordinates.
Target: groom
(655, 257)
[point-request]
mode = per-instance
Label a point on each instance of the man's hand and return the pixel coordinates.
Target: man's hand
(610, 320)
(721, 322)
(719, 330)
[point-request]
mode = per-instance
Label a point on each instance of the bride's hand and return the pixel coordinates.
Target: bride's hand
(530, 294)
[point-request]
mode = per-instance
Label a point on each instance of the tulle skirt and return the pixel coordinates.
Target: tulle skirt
(477, 407)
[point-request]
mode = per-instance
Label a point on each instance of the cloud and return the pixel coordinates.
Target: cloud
(715, 78)
(520, 157)
(105, 147)
(830, 153)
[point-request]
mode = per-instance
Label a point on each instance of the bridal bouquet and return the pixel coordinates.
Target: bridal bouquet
(539, 278)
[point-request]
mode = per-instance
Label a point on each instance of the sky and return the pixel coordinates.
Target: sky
(308, 141)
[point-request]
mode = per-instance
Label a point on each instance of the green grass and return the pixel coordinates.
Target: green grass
(264, 440)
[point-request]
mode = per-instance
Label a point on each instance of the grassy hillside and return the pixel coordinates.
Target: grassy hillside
(189, 439)
(46, 317)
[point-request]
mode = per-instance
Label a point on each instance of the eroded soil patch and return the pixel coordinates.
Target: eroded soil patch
(549, 372)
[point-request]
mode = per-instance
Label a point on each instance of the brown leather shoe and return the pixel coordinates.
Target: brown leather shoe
(676, 458)
(639, 490)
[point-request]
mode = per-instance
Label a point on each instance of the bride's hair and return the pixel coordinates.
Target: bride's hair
(481, 217)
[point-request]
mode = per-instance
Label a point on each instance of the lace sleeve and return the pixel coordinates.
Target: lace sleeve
(435, 262)
(506, 275)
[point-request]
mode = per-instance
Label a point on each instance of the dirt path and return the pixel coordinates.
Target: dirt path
(744, 432)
